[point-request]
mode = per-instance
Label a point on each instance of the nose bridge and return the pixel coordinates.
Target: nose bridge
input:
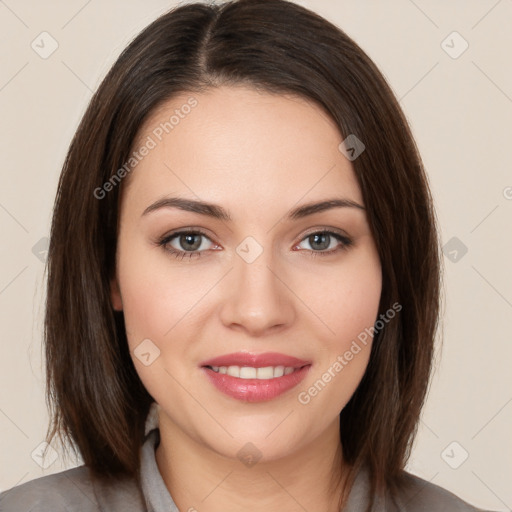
(257, 299)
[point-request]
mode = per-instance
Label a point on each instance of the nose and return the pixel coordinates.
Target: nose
(256, 298)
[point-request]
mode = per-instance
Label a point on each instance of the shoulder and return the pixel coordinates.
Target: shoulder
(419, 495)
(52, 493)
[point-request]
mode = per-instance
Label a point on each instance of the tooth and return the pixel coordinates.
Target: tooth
(265, 373)
(234, 371)
(278, 371)
(247, 372)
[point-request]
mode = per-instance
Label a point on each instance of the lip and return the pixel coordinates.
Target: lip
(256, 360)
(255, 390)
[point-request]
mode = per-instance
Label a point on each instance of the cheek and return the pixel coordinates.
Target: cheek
(156, 307)
(349, 310)
(348, 307)
(346, 298)
(155, 300)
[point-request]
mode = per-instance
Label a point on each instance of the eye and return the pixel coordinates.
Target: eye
(185, 244)
(321, 241)
(192, 243)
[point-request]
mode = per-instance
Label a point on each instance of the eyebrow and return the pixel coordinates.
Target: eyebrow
(218, 212)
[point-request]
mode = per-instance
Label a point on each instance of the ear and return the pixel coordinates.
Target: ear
(115, 295)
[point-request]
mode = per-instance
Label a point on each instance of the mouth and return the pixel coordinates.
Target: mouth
(255, 377)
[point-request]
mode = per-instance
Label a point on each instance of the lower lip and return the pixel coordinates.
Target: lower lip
(255, 390)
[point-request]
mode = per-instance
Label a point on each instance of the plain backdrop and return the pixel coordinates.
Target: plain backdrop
(448, 62)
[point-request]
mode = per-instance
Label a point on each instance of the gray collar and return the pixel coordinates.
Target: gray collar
(158, 498)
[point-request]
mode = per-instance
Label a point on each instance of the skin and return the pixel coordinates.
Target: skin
(258, 155)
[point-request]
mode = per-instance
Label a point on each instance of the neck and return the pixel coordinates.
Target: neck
(201, 479)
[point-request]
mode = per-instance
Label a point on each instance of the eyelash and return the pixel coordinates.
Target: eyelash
(163, 242)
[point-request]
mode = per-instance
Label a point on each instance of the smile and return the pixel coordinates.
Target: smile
(248, 372)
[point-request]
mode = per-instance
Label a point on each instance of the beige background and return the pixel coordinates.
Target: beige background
(460, 110)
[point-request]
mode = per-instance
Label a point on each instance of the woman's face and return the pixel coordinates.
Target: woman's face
(246, 276)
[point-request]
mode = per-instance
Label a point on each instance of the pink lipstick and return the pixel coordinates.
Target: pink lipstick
(255, 377)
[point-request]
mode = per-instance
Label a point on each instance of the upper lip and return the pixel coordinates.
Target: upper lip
(256, 360)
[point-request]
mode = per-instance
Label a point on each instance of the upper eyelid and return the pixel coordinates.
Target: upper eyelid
(336, 231)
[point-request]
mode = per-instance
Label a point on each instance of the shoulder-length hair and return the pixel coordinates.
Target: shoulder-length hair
(96, 398)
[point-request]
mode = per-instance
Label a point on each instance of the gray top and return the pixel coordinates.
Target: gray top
(74, 490)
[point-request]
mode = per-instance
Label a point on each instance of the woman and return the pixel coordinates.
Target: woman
(243, 277)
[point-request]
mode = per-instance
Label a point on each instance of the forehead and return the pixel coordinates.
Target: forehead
(241, 146)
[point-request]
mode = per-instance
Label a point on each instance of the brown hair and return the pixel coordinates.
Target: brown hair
(96, 398)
